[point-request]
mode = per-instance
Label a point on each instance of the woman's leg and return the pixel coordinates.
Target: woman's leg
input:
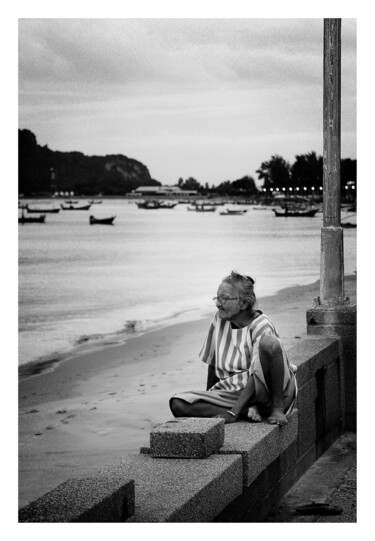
(272, 361)
(181, 408)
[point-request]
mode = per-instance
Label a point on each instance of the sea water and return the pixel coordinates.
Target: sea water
(80, 284)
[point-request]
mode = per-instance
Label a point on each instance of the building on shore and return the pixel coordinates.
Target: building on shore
(162, 191)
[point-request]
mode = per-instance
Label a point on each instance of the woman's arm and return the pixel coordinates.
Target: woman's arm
(244, 400)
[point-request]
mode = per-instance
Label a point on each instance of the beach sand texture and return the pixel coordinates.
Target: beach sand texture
(90, 410)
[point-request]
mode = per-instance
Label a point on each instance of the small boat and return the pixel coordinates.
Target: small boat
(348, 225)
(71, 202)
(31, 219)
(232, 212)
(167, 205)
(148, 204)
(94, 202)
(104, 221)
(41, 211)
(72, 207)
(295, 212)
(203, 208)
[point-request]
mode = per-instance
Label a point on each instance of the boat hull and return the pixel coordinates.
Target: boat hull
(295, 213)
(41, 211)
(32, 219)
(101, 221)
(71, 207)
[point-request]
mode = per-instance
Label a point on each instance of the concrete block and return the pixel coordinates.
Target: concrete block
(306, 416)
(259, 444)
(181, 490)
(289, 458)
(334, 395)
(87, 499)
(187, 437)
(311, 354)
(331, 315)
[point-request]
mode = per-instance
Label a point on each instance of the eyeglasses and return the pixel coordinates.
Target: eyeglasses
(223, 300)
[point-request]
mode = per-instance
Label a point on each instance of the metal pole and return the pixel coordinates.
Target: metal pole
(332, 253)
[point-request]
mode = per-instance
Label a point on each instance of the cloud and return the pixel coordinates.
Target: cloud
(196, 52)
(178, 93)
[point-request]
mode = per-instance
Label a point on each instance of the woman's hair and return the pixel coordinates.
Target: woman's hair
(244, 286)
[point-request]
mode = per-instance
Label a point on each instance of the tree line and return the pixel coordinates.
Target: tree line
(42, 171)
(305, 176)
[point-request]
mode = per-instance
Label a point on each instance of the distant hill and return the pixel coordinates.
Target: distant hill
(43, 171)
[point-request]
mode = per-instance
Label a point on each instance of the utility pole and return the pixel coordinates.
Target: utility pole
(332, 251)
(332, 315)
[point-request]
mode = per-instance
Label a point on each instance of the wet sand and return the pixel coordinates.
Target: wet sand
(85, 413)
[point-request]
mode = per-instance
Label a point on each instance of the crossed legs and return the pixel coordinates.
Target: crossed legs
(271, 358)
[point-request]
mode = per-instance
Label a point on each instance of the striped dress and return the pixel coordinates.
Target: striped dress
(235, 352)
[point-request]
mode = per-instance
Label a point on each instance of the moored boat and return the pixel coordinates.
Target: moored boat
(72, 207)
(104, 221)
(203, 208)
(33, 210)
(233, 212)
(31, 219)
(296, 212)
(153, 204)
(167, 204)
(147, 204)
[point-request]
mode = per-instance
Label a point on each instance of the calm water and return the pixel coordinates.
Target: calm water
(78, 283)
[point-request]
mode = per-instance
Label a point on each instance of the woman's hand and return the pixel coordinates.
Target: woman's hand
(228, 418)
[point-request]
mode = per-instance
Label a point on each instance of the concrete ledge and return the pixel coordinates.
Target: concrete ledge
(187, 438)
(86, 499)
(332, 315)
(312, 354)
(259, 444)
(181, 490)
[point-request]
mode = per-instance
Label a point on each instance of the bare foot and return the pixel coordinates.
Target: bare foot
(228, 418)
(254, 415)
(277, 417)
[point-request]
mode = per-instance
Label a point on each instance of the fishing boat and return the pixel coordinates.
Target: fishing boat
(148, 204)
(296, 212)
(104, 221)
(72, 207)
(167, 205)
(233, 212)
(34, 210)
(153, 204)
(203, 208)
(31, 219)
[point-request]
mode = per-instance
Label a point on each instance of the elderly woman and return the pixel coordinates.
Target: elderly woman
(249, 375)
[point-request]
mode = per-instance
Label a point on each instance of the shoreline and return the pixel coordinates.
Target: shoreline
(95, 407)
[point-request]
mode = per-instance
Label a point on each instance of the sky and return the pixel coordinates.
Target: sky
(209, 98)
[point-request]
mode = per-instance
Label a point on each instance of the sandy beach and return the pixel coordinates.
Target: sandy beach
(88, 411)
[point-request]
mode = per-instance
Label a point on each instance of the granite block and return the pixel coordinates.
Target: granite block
(311, 354)
(334, 395)
(187, 437)
(181, 490)
(259, 444)
(87, 499)
(307, 434)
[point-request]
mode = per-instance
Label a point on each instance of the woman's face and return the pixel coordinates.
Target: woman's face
(228, 302)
